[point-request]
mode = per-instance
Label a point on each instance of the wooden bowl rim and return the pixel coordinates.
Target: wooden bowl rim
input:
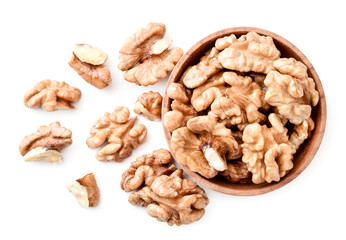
(260, 188)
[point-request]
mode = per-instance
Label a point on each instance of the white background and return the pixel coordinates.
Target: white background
(35, 44)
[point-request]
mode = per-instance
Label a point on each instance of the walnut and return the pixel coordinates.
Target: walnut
(85, 190)
(291, 96)
(146, 168)
(51, 95)
(120, 134)
(145, 56)
(46, 143)
(292, 67)
(301, 132)
(204, 146)
(208, 65)
(250, 52)
(149, 104)
(178, 92)
(267, 151)
(178, 117)
(172, 199)
(237, 172)
(88, 62)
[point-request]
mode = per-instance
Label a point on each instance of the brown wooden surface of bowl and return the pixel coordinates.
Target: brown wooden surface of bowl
(306, 151)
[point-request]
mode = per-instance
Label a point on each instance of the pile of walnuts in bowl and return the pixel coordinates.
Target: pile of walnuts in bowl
(241, 112)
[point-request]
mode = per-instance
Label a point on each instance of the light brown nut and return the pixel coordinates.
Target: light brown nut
(46, 143)
(267, 151)
(52, 95)
(146, 168)
(120, 134)
(301, 132)
(97, 75)
(172, 199)
(149, 104)
(178, 117)
(89, 54)
(292, 67)
(208, 65)
(251, 52)
(145, 55)
(85, 190)
(291, 96)
(177, 92)
(237, 172)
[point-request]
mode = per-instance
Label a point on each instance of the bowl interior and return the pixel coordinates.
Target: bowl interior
(306, 151)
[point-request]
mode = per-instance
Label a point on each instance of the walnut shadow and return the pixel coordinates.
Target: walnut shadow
(307, 150)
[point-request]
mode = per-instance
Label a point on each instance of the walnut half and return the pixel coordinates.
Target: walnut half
(149, 104)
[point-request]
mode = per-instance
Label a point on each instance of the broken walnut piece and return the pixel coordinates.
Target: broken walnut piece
(178, 116)
(172, 199)
(237, 172)
(266, 151)
(88, 61)
(46, 143)
(149, 104)
(292, 67)
(119, 132)
(146, 168)
(85, 190)
(250, 52)
(145, 55)
(52, 95)
(301, 132)
(178, 92)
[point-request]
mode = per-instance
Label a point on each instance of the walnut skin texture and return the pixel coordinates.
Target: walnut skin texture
(46, 143)
(172, 199)
(97, 75)
(145, 55)
(267, 152)
(250, 52)
(120, 134)
(237, 172)
(51, 95)
(149, 104)
(85, 190)
(146, 168)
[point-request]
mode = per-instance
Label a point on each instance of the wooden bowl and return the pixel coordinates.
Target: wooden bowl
(306, 151)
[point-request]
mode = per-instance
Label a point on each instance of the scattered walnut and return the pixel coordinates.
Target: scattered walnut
(209, 65)
(85, 190)
(146, 168)
(119, 132)
(301, 132)
(178, 117)
(145, 56)
(237, 172)
(251, 52)
(149, 104)
(46, 143)
(88, 61)
(52, 95)
(172, 199)
(267, 151)
(291, 96)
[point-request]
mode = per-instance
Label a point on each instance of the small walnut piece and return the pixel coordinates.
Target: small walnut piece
(120, 133)
(178, 117)
(52, 95)
(145, 55)
(149, 104)
(178, 92)
(237, 172)
(88, 61)
(172, 199)
(46, 143)
(85, 190)
(301, 132)
(292, 67)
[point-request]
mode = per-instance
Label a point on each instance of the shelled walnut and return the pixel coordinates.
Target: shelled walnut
(85, 190)
(145, 55)
(119, 132)
(46, 143)
(161, 188)
(149, 104)
(88, 62)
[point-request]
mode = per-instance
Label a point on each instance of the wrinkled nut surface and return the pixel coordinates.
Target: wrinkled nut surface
(120, 134)
(145, 55)
(301, 132)
(181, 113)
(146, 168)
(149, 104)
(172, 199)
(46, 143)
(85, 190)
(237, 172)
(97, 75)
(177, 92)
(52, 95)
(90, 54)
